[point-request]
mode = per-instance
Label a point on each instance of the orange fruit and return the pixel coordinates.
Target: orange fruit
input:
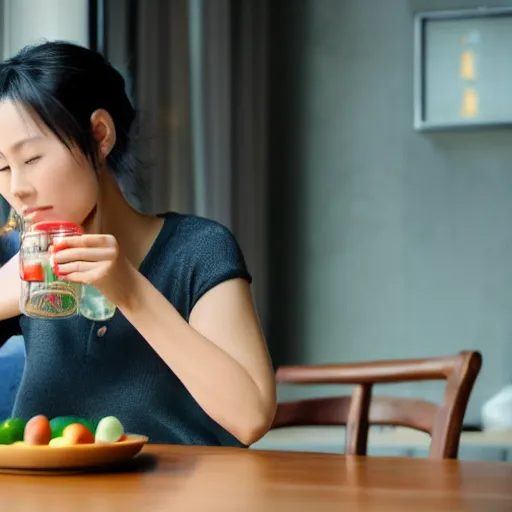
(76, 433)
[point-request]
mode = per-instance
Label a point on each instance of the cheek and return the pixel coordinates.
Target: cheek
(74, 187)
(4, 183)
(75, 175)
(78, 181)
(80, 187)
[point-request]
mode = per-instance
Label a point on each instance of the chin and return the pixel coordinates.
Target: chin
(46, 217)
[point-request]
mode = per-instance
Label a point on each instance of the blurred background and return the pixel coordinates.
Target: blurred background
(291, 122)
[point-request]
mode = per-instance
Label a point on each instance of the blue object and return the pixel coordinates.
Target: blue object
(12, 354)
(9, 246)
(12, 360)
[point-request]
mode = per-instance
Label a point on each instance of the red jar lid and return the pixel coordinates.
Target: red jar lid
(58, 226)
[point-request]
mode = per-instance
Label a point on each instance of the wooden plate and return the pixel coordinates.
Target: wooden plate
(22, 458)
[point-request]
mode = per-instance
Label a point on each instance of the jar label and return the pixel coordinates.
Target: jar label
(52, 300)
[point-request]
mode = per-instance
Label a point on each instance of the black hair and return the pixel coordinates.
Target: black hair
(63, 84)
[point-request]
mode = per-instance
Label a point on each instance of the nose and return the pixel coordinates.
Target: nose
(21, 188)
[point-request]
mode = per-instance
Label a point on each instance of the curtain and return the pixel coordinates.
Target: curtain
(26, 22)
(196, 70)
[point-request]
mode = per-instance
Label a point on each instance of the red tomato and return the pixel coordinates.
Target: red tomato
(32, 273)
(37, 431)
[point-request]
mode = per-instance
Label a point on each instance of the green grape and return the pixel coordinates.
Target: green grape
(11, 431)
(109, 430)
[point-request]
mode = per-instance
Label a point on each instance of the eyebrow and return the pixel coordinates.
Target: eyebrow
(19, 144)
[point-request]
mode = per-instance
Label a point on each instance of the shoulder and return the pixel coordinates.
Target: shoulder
(193, 236)
(203, 252)
(195, 232)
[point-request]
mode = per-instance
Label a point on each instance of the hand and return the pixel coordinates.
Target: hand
(96, 260)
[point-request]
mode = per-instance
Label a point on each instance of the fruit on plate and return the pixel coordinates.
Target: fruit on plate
(73, 434)
(59, 423)
(76, 433)
(60, 431)
(11, 431)
(59, 441)
(37, 431)
(109, 430)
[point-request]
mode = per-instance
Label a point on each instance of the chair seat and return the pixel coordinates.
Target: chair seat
(393, 441)
(332, 438)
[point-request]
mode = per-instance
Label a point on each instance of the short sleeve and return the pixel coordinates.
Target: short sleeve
(215, 257)
(9, 328)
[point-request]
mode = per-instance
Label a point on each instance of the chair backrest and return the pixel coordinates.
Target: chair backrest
(443, 422)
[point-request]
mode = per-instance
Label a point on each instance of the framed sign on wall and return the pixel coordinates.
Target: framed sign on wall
(463, 68)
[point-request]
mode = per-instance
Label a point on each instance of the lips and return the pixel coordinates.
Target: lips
(29, 210)
(33, 214)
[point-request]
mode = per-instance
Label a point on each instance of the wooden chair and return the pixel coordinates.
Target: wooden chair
(357, 413)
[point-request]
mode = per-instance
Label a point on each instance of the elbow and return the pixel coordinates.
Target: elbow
(254, 426)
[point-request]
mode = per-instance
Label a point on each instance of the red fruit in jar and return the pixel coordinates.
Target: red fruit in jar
(32, 273)
(37, 431)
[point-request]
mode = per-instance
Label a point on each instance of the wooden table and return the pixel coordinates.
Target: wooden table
(181, 479)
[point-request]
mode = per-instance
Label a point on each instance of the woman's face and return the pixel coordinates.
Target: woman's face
(38, 171)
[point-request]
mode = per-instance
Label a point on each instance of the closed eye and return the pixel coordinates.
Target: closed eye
(32, 160)
(6, 168)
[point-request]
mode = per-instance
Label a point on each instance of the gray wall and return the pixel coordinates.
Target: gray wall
(386, 243)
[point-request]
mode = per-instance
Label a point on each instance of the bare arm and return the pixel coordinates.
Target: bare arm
(220, 356)
(10, 285)
(9, 300)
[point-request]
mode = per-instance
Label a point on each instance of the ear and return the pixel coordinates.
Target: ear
(103, 131)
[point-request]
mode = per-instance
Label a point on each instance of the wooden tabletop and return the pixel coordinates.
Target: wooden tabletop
(170, 478)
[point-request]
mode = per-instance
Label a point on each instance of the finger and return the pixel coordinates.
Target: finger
(82, 254)
(84, 241)
(67, 269)
(80, 277)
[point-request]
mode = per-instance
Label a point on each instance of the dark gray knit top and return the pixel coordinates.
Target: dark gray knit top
(74, 368)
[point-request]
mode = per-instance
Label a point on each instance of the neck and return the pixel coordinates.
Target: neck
(135, 232)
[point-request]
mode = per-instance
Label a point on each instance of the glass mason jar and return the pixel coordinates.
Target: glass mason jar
(46, 295)
(43, 294)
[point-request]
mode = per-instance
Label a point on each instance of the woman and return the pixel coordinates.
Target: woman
(183, 360)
